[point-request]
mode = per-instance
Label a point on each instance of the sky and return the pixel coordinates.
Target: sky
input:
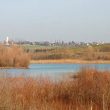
(51, 20)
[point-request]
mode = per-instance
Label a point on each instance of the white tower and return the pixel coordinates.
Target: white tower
(7, 41)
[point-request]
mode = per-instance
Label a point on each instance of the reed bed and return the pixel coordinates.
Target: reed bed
(86, 90)
(13, 56)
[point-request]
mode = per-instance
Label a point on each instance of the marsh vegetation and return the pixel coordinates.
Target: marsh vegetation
(86, 90)
(13, 56)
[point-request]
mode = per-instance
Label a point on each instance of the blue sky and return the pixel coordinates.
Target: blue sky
(41, 20)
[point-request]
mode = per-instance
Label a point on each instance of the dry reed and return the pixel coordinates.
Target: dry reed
(87, 90)
(13, 57)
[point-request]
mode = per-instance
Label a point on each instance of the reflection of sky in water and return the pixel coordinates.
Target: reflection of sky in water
(50, 70)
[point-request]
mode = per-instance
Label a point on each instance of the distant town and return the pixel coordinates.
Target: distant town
(8, 41)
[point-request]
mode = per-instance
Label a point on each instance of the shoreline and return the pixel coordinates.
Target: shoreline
(61, 61)
(69, 61)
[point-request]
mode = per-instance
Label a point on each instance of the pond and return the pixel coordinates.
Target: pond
(50, 70)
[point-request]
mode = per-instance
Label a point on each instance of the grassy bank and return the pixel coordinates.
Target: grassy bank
(86, 90)
(13, 56)
(89, 53)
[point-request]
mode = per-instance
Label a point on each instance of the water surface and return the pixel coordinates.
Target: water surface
(51, 70)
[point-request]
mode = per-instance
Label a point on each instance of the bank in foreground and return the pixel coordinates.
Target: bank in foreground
(87, 89)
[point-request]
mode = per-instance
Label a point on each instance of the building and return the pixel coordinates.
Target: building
(8, 42)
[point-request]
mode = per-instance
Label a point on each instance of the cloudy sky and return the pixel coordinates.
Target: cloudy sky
(41, 20)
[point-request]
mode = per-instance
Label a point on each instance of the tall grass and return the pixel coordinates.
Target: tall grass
(13, 57)
(87, 90)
